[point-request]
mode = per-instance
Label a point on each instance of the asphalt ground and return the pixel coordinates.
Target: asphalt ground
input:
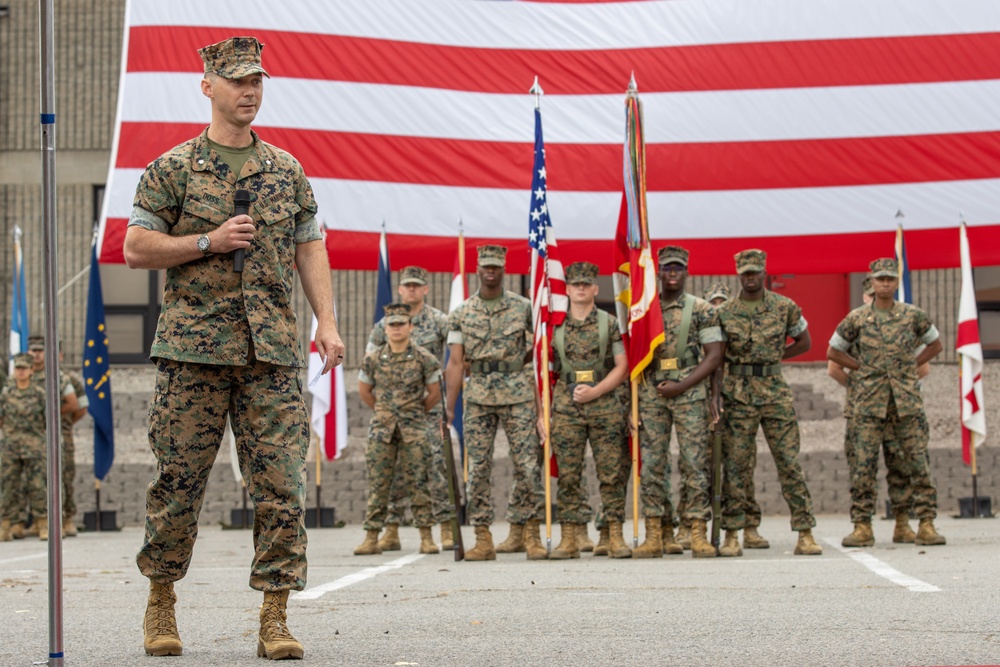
(888, 605)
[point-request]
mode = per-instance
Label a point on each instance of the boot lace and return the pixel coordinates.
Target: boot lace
(161, 621)
(274, 622)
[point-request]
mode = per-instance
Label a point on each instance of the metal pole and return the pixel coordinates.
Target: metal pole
(51, 263)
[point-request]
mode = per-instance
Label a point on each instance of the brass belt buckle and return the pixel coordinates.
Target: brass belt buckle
(584, 376)
(668, 364)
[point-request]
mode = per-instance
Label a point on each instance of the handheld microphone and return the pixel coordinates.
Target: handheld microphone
(241, 206)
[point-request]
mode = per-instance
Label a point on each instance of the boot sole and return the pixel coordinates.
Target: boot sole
(799, 552)
(904, 540)
(866, 543)
(624, 554)
(646, 555)
(285, 653)
(925, 543)
(159, 651)
(757, 545)
(477, 558)
(555, 556)
(673, 551)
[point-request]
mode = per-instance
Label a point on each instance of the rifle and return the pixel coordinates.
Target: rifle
(453, 494)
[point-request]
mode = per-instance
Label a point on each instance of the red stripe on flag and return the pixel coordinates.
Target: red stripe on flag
(968, 332)
(680, 167)
(742, 66)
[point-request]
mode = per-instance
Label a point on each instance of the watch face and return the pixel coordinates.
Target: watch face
(203, 243)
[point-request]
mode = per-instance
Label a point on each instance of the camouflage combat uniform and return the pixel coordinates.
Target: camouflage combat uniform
(497, 337)
(400, 429)
(430, 330)
(756, 395)
(22, 455)
(601, 421)
(688, 413)
(226, 342)
(886, 406)
(69, 447)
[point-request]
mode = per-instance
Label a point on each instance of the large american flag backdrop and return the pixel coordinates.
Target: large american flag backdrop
(797, 127)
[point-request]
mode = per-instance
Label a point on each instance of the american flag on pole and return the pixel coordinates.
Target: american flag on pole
(549, 302)
(970, 350)
(801, 136)
(904, 293)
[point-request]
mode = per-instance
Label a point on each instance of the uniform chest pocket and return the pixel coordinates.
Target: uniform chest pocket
(770, 329)
(737, 333)
(282, 211)
(199, 217)
(870, 340)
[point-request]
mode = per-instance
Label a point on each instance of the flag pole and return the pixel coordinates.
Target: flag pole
(319, 472)
(97, 505)
(461, 273)
(635, 463)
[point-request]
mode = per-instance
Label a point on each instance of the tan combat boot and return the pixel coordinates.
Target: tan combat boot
(427, 545)
(601, 548)
(447, 540)
(484, 546)
(731, 546)
(616, 542)
(68, 527)
(927, 534)
(159, 627)
(700, 546)
(370, 546)
(43, 528)
(533, 541)
(670, 545)
(653, 546)
(5, 535)
(684, 536)
(32, 530)
(514, 544)
(806, 546)
(583, 541)
(390, 540)
(568, 546)
(861, 537)
(902, 533)
(17, 531)
(754, 540)
(275, 642)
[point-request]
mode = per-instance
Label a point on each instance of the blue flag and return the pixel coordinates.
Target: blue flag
(903, 293)
(97, 372)
(383, 294)
(19, 304)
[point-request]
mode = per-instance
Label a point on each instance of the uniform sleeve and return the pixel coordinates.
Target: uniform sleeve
(617, 344)
(156, 194)
(455, 327)
(432, 369)
(710, 329)
(306, 226)
(923, 328)
(795, 324)
(367, 372)
(376, 338)
(846, 334)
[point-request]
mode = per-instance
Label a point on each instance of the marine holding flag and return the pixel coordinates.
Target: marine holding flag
(226, 341)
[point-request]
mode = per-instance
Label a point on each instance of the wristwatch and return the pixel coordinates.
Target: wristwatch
(204, 243)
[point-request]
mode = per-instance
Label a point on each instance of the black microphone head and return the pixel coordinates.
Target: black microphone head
(242, 198)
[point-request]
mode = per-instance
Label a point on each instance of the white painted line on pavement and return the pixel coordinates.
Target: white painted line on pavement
(20, 558)
(351, 579)
(885, 570)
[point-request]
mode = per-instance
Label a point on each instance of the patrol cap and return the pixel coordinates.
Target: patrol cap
(752, 260)
(582, 273)
(492, 255)
(233, 58)
(36, 342)
(22, 360)
(397, 313)
(868, 286)
(413, 275)
(673, 254)
(884, 267)
(717, 291)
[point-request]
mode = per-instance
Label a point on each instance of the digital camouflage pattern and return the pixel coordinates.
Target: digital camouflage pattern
(601, 421)
(499, 331)
(187, 419)
(687, 413)
(233, 58)
(69, 447)
(400, 430)
(210, 313)
(886, 405)
(884, 344)
(430, 330)
(756, 333)
(22, 455)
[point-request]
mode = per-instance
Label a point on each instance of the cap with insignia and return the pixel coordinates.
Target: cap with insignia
(233, 58)
(868, 286)
(36, 342)
(582, 273)
(884, 267)
(23, 360)
(717, 291)
(413, 275)
(492, 255)
(397, 313)
(673, 254)
(752, 260)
